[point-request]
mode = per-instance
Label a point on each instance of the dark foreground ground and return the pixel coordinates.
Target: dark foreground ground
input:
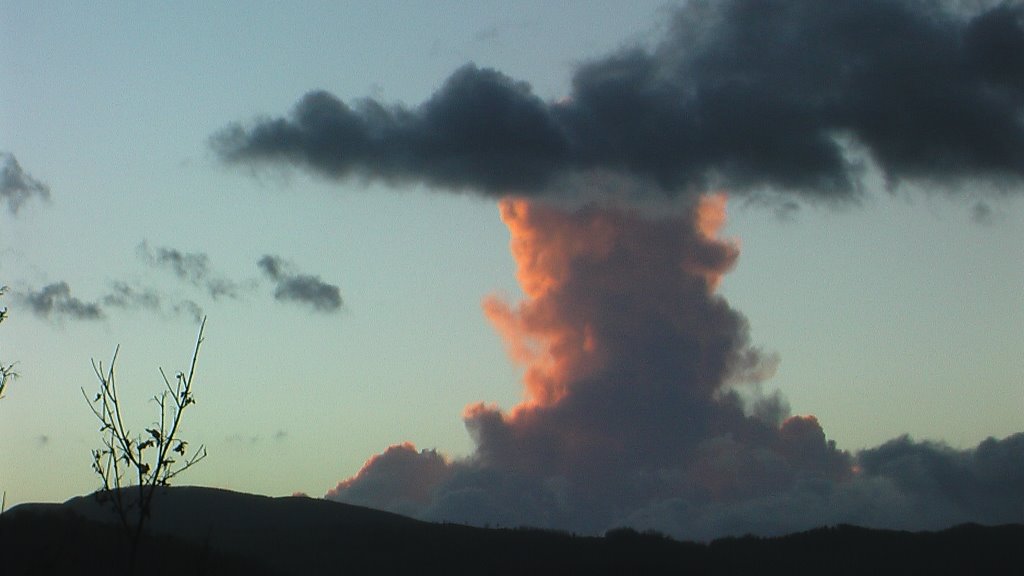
(206, 531)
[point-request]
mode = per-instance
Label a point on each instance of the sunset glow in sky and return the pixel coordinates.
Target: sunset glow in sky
(575, 265)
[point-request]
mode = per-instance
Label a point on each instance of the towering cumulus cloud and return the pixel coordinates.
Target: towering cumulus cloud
(632, 412)
(634, 409)
(629, 356)
(790, 95)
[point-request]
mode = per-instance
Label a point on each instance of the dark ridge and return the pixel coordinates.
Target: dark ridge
(207, 531)
(45, 540)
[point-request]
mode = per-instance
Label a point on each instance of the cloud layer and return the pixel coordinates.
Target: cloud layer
(641, 407)
(790, 95)
(18, 186)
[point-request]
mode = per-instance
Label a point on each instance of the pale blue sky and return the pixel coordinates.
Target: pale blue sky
(899, 315)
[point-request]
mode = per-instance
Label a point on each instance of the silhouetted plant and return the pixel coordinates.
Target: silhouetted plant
(6, 373)
(141, 462)
(6, 370)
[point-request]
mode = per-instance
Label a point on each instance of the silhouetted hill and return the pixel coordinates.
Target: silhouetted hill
(51, 540)
(207, 531)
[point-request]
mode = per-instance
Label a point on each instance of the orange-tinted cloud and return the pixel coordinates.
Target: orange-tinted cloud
(626, 346)
(575, 268)
(631, 412)
(400, 479)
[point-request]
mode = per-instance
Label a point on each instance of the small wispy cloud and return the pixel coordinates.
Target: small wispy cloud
(123, 295)
(191, 267)
(18, 186)
(55, 301)
(254, 439)
(302, 288)
(188, 308)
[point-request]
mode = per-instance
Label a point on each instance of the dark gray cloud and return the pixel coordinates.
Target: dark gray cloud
(56, 301)
(18, 186)
(191, 267)
(642, 408)
(272, 266)
(739, 94)
(301, 288)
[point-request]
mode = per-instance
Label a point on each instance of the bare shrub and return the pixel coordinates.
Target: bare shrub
(133, 466)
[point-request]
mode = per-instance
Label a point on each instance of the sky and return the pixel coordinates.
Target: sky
(754, 267)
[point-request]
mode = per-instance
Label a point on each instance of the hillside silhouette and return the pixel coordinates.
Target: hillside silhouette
(210, 531)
